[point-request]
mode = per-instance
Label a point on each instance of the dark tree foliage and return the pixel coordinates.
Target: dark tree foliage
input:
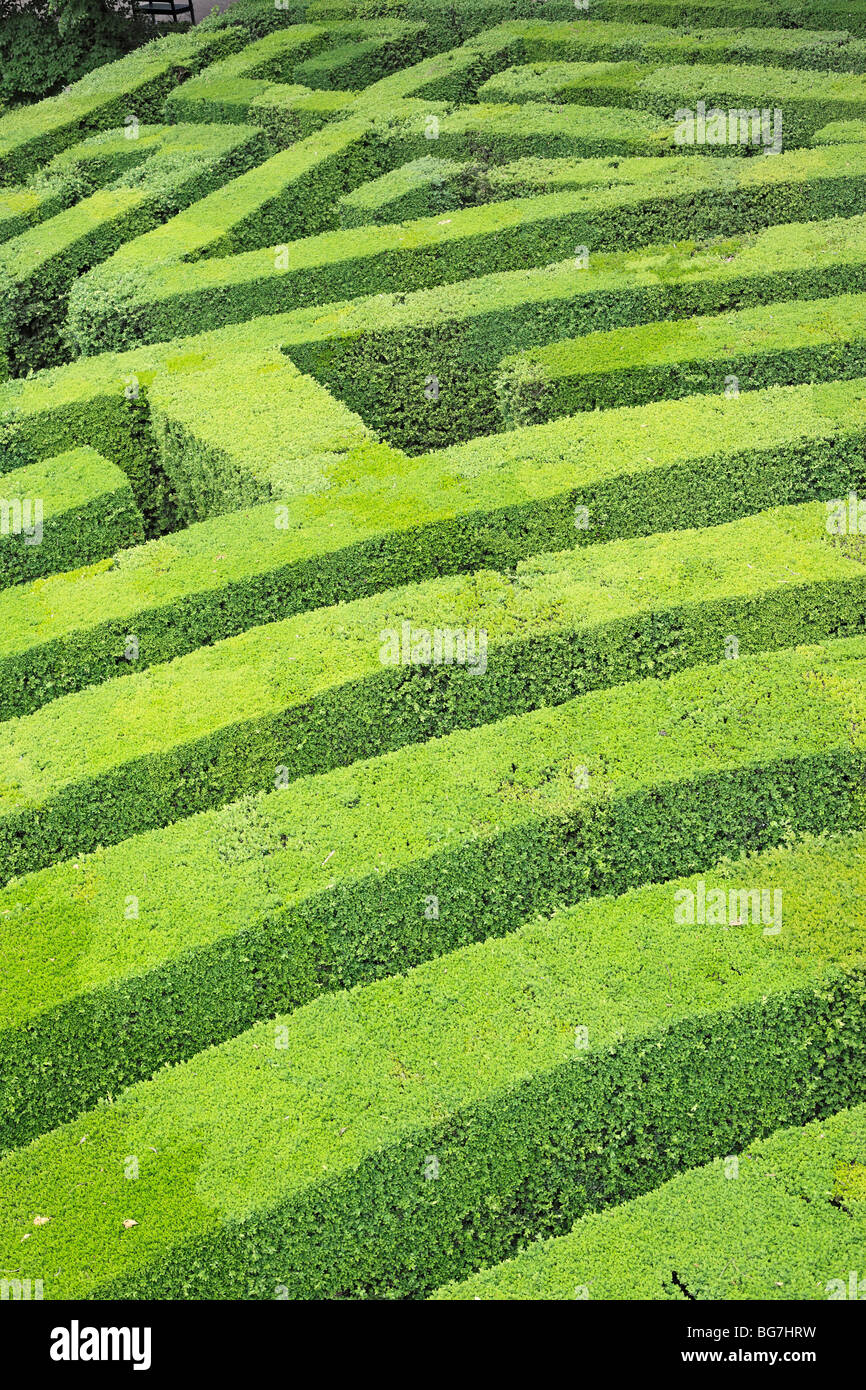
(46, 44)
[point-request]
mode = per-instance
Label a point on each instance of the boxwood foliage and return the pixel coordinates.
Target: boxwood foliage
(805, 101)
(183, 936)
(701, 461)
(337, 698)
(748, 349)
(63, 513)
(176, 166)
(791, 1226)
(410, 1131)
(103, 98)
(130, 300)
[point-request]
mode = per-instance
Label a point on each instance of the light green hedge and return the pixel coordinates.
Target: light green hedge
(375, 352)
(86, 768)
(807, 100)
(223, 90)
(177, 166)
(784, 1220)
(63, 513)
(702, 461)
(409, 1132)
(126, 301)
(184, 935)
(136, 84)
(784, 342)
(593, 38)
(457, 22)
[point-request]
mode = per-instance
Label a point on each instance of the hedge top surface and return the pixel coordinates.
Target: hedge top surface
(446, 1035)
(793, 1219)
(66, 482)
(402, 807)
(131, 284)
(784, 324)
(101, 89)
(374, 489)
(286, 664)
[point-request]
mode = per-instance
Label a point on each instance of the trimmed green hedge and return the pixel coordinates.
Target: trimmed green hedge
(86, 769)
(127, 301)
(752, 348)
(432, 185)
(594, 39)
(311, 55)
(408, 1132)
(63, 513)
(223, 91)
(779, 1223)
(183, 936)
(806, 99)
(177, 166)
(374, 352)
(136, 84)
(695, 462)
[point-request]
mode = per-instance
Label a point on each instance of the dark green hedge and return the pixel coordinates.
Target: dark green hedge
(40, 53)
(781, 1225)
(283, 896)
(710, 1039)
(86, 511)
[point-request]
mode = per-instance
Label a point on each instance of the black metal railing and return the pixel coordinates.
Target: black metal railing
(170, 9)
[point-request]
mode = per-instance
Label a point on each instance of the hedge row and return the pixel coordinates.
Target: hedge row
(781, 1221)
(83, 772)
(411, 1131)
(380, 519)
(594, 40)
(751, 348)
(136, 84)
(375, 351)
(312, 55)
(457, 74)
(806, 100)
(379, 49)
(112, 308)
(179, 165)
(289, 113)
(222, 91)
(71, 175)
(63, 513)
(459, 21)
(456, 332)
(195, 930)
(291, 194)
(470, 16)
(432, 184)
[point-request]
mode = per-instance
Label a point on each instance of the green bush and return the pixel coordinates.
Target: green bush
(130, 300)
(74, 509)
(49, 45)
(699, 1040)
(778, 1222)
(752, 348)
(194, 931)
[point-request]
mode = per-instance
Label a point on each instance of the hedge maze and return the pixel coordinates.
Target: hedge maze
(433, 657)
